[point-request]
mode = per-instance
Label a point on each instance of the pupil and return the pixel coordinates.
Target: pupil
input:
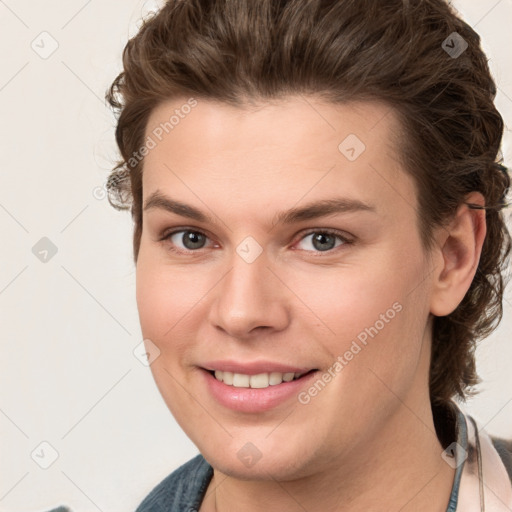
(192, 240)
(320, 239)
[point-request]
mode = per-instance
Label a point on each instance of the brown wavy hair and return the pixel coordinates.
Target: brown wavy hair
(396, 52)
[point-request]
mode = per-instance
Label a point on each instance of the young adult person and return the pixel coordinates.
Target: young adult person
(317, 193)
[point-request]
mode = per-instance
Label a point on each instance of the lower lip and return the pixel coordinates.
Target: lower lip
(254, 399)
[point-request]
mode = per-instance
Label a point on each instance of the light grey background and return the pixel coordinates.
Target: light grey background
(70, 325)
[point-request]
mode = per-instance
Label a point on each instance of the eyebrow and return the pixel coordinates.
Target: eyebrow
(310, 211)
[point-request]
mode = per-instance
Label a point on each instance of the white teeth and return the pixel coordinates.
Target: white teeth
(240, 380)
(259, 381)
(275, 378)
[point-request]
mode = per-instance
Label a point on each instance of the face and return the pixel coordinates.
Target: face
(278, 243)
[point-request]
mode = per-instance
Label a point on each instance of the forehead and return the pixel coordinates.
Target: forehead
(299, 147)
(291, 121)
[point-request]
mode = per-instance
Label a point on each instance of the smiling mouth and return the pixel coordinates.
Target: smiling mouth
(258, 381)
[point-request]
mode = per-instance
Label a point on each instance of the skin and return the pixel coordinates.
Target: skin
(367, 440)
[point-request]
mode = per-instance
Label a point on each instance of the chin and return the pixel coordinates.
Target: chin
(248, 464)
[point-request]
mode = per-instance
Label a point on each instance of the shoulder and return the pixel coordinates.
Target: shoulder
(183, 488)
(504, 449)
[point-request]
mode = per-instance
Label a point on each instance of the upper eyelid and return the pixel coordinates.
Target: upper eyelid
(302, 234)
(167, 233)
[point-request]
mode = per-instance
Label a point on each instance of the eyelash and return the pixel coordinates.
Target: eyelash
(345, 241)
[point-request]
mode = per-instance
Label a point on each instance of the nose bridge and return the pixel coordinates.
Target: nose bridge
(247, 284)
(249, 295)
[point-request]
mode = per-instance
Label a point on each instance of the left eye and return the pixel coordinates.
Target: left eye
(324, 240)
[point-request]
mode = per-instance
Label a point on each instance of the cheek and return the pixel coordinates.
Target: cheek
(171, 303)
(153, 297)
(347, 301)
(164, 314)
(164, 294)
(382, 306)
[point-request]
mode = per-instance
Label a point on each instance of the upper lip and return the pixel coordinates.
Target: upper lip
(253, 367)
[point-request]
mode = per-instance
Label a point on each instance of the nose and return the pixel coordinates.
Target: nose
(250, 299)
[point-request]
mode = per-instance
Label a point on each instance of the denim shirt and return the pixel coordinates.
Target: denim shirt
(482, 479)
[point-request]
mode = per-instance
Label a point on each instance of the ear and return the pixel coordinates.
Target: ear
(459, 245)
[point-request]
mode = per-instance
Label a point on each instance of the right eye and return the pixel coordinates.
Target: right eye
(190, 240)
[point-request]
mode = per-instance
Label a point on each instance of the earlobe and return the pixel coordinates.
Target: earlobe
(459, 245)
